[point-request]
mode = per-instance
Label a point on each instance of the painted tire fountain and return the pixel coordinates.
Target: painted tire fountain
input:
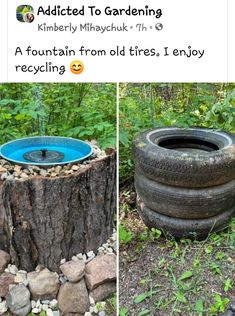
(184, 180)
(46, 150)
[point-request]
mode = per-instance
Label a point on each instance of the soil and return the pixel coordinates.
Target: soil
(159, 264)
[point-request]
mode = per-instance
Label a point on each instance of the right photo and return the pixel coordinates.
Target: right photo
(177, 199)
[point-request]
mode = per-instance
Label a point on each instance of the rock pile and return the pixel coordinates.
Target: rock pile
(84, 280)
(13, 172)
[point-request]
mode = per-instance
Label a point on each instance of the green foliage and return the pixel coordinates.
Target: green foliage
(100, 306)
(144, 312)
(143, 296)
(227, 285)
(186, 275)
(219, 304)
(81, 110)
(125, 236)
(123, 311)
(144, 106)
(199, 306)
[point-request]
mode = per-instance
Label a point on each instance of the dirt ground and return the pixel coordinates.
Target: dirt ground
(160, 276)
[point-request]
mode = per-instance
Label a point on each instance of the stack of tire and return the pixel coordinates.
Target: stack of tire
(184, 180)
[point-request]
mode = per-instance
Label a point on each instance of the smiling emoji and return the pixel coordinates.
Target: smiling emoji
(76, 67)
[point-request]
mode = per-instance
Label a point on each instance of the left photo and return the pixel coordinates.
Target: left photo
(58, 241)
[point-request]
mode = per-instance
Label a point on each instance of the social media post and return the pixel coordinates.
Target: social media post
(98, 42)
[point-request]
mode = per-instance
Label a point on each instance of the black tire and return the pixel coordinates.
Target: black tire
(184, 228)
(185, 203)
(209, 159)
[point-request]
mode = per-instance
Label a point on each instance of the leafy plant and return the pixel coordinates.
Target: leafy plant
(125, 236)
(219, 304)
(123, 311)
(227, 284)
(199, 307)
(143, 296)
(144, 312)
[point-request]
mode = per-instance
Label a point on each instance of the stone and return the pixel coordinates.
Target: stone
(58, 169)
(227, 313)
(89, 259)
(33, 304)
(91, 299)
(3, 162)
(43, 284)
(73, 270)
(109, 250)
(18, 300)
(114, 246)
(5, 280)
(45, 307)
(43, 172)
(21, 277)
(39, 267)
(2, 169)
(38, 304)
(75, 168)
(73, 298)
(4, 260)
(93, 309)
(62, 261)
(102, 313)
(113, 237)
(35, 310)
(13, 269)
(24, 175)
(74, 258)
(90, 254)
(17, 168)
(53, 303)
(80, 256)
(232, 306)
(56, 313)
(101, 250)
(100, 270)
(49, 312)
(62, 279)
(4, 176)
(87, 314)
(103, 291)
(3, 307)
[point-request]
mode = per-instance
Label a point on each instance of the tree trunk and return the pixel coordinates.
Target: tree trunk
(43, 220)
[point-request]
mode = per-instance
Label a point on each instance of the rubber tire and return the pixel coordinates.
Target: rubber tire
(185, 169)
(184, 228)
(185, 203)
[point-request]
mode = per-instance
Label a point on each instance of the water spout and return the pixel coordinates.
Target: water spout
(44, 152)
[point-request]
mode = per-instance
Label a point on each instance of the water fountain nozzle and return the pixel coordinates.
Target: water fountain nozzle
(44, 152)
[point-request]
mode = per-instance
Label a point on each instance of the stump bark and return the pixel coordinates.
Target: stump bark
(43, 220)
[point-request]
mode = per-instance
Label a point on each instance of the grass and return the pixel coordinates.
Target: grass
(162, 276)
(111, 306)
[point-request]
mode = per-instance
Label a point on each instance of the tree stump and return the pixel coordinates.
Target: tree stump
(43, 220)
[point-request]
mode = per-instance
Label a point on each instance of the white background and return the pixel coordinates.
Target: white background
(231, 41)
(201, 24)
(3, 48)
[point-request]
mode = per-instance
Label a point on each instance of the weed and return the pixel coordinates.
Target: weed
(125, 236)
